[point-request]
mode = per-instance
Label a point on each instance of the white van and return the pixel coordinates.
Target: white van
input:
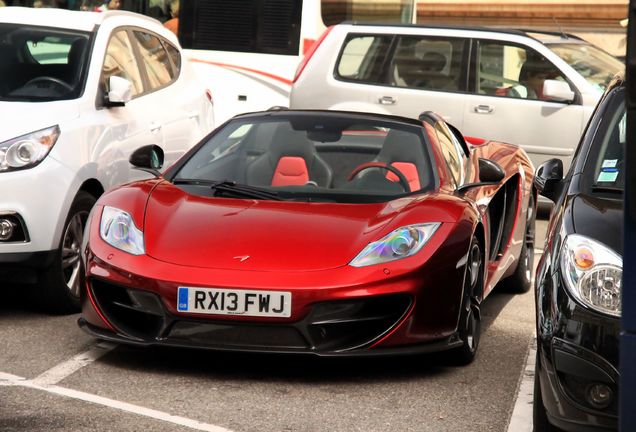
(476, 78)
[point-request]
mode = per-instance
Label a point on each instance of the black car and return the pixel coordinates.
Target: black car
(578, 281)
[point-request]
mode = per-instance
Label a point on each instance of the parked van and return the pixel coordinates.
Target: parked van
(533, 89)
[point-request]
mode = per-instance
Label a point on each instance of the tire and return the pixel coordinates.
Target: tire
(540, 421)
(521, 280)
(60, 284)
(470, 320)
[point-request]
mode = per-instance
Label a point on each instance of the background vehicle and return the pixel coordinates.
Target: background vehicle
(79, 91)
(578, 281)
(466, 75)
(343, 234)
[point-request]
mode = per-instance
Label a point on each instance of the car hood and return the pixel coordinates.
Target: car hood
(260, 235)
(20, 118)
(600, 219)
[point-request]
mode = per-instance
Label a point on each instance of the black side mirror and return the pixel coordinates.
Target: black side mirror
(490, 172)
(549, 178)
(148, 158)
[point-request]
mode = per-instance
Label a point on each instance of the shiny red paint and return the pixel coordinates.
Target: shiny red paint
(305, 247)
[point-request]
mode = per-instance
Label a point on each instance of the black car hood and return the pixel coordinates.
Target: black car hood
(599, 218)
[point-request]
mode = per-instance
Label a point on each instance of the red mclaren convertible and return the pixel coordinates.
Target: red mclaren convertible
(321, 232)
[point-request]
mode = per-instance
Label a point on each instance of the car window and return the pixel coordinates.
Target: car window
(39, 63)
(175, 56)
(318, 158)
(609, 165)
(512, 71)
(120, 61)
(155, 59)
(454, 155)
(363, 58)
(428, 63)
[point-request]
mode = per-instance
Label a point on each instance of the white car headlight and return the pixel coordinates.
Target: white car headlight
(401, 243)
(118, 229)
(592, 273)
(27, 150)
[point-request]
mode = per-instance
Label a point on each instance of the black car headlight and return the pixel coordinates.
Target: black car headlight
(592, 273)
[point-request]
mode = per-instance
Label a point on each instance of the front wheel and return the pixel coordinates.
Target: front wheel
(60, 284)
(470, 320)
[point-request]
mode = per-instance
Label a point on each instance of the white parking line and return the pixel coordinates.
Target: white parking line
(13, 380)
(521, 419)
(61, 371)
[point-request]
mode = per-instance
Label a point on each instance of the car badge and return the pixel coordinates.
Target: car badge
(242, 257)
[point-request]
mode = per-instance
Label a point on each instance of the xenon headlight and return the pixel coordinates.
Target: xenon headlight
(27, 150)
(401, 243)
(118, 229)
(592, 273)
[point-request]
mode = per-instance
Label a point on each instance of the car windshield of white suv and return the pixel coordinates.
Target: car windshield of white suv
(594, 64)
(41, 64)
(310, 158)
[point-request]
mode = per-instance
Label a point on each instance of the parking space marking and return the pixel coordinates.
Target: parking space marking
(62, 370)
(521, 419)
(13, 380)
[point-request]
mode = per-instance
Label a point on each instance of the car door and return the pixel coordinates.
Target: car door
(496, 109)
(128, 127)
(177, 100)
(402, 75)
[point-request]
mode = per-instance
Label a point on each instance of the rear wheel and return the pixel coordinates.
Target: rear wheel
(521, 280)
(60, 284)
(470, 320)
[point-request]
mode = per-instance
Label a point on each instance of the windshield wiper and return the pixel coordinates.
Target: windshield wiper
(607, 189)
(231, 188)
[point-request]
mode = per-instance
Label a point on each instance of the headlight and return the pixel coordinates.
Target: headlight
(592, 273)
(27, 150)
(401, 243)
(118, 230)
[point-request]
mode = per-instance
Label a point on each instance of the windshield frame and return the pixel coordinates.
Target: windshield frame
(319, 194)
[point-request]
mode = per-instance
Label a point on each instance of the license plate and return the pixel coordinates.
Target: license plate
(218, 301)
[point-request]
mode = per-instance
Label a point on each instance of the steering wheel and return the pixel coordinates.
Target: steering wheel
(404, 183)
(54, 80)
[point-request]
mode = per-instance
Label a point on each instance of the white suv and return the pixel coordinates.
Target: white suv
(483, 81)
(79, 92)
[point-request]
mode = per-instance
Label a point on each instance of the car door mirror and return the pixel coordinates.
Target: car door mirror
(119, 91)
(148, 158)
(490, 172)
(557, 91)
(548, 178)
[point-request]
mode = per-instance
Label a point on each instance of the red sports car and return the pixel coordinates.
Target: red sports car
(322, 232)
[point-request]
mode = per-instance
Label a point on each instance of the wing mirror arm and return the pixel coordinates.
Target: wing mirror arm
(490, 173)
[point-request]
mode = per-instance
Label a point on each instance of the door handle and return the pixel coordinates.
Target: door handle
(155, 127)
(387, 100)
(484, 109)
(193, 115)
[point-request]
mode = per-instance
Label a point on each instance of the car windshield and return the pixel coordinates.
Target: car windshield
(608, 164)
(594, 64)
(41, 63)
(311, 157)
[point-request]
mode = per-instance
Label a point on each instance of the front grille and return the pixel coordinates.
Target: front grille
(333, 326)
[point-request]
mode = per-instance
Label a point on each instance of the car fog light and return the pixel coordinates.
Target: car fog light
(6, 229)
(599, 396)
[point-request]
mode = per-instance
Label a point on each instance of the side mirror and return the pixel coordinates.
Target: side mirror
(148, 158)
(490, 172)
(119, 91)
(558, 91)
(548, 179)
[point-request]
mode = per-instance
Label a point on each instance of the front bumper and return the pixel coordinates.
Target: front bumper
(578, 348)
(24, 267)
(391, 308)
